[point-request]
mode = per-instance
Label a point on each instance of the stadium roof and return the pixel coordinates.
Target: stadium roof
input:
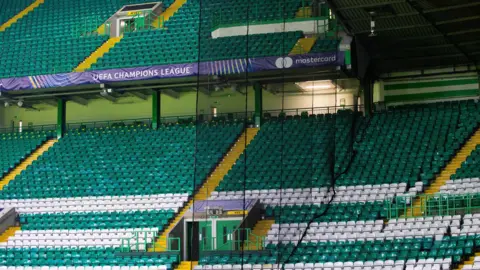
(412, 34)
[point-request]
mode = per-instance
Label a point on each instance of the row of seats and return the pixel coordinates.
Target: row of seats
(92, 204)
(132, 162)
(430, 264)
(318, 195)
(83, 258)
(452, 248)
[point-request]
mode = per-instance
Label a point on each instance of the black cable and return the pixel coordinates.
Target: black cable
(197, 122)
(334, 177)
(245, 235)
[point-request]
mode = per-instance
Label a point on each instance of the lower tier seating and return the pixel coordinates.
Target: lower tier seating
(125, 161)
(82, 258)
(16, 146)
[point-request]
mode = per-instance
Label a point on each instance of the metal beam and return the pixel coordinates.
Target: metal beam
(108, 97)
(204, 90)
(425, 57)
(445, 35)
(394, 28)
(382, 3)
(171, 93)
(427, 11)
(79, 100)
(51, 102)
(139, 95)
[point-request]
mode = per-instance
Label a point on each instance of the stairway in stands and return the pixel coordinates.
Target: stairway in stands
(97, 54)
(8, 233)
(186, 265)
(20, 15)
(210, 184)
(27, 162)
(445, 174)
(259, 232)
(168, 13)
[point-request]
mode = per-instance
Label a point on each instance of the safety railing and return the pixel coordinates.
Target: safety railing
(147, 241)
(239, 239)
(28, 129)
(432, 205)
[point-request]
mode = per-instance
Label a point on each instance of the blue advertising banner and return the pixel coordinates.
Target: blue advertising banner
(223, 67)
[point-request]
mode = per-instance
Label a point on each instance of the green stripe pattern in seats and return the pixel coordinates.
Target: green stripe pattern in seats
(470, 167)
(81, 257)
(126, 161)
(456, 248)
(405, 144)
(96, 220)
(335, 212)
(293, 153)
(12, 8)
(16, 146)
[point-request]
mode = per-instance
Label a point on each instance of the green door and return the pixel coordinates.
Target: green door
(205, 235)
(226, 234)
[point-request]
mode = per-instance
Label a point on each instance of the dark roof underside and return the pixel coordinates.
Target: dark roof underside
(413, 34)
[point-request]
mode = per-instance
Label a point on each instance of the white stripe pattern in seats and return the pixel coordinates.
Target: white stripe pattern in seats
(470, 225)
(81, 238)
(318, 195)
(98, 204)
(362, 230)
(422, 264)
(461, 186)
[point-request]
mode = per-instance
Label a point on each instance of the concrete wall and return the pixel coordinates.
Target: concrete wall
(129, 107)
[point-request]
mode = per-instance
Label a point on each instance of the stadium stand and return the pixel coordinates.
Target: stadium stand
(108, 160)
(178, 42)
(69, 26)
(125, 203)
(74, 40)
(345, 235)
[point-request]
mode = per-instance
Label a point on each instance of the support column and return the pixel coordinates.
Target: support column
(367, 85)
(156, 99)
(258, 103)
(61, 117)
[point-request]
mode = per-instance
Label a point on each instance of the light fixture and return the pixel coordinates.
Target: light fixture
(316, 85)
(372, 24)
(20, 103)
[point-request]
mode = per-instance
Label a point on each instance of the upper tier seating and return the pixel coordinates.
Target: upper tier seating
(12, 8)
(55, 37)
(16, 146)
(179, 41)
(82, 258)
(125, 161)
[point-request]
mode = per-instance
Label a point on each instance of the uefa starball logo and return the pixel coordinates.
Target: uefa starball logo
(284, 62)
